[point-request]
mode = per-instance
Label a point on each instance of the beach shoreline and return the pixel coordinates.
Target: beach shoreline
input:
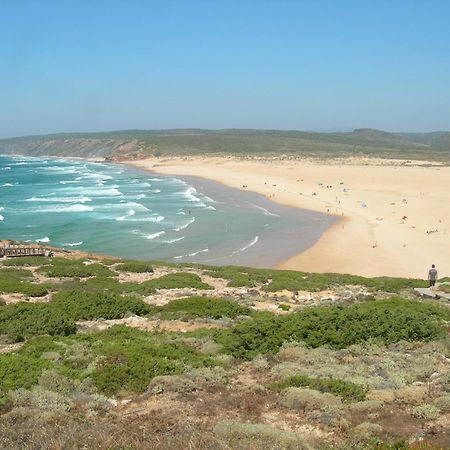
(394, 219)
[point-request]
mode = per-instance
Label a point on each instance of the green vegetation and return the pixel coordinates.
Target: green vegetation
(177, 280)
(135, 267)
(337, 326)
(58, 317)
(19, 281)
(336, 367)
(26, 261)
(243, 142)
(344, 389)
(195, 307)
(118, 359)
(277, 280)
(61, 267)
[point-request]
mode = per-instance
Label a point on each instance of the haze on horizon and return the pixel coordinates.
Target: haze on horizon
(306, 65)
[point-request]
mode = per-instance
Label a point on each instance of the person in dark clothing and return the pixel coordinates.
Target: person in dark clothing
(432, 276)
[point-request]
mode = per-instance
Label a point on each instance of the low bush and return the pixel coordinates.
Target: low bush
(19, 281)
(22, 320)
(76, 305)
(117, 359)
(344, 389)
(277, 280)
(337, 326)
(34, 261)
(61, 267)
(196, 307)
(426, 412)
(258, 435)
(177, 280)
(135, 267)
(306, 399)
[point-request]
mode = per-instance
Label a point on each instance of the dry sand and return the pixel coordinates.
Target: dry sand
(395, 218)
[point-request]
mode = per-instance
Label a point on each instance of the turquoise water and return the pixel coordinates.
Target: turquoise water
(114, 210)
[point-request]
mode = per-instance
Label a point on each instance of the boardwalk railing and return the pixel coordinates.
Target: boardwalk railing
(13, 251)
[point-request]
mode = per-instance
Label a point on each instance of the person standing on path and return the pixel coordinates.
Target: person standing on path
(432, 276)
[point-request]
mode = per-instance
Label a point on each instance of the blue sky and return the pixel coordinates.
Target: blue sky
(309, 65)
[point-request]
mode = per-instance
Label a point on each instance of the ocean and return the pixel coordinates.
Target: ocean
(114, 210)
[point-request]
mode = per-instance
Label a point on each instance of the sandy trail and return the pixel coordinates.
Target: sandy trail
(395, 218)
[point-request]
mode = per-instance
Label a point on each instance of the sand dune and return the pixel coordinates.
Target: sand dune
(395, 218)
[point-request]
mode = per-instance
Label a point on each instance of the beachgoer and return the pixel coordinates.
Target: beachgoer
(432, 276)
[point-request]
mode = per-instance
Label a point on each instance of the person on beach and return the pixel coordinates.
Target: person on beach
(432, 276)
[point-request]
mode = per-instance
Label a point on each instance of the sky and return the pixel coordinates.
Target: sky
(318, 65)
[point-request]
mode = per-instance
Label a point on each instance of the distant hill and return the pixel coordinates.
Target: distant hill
(135, 144)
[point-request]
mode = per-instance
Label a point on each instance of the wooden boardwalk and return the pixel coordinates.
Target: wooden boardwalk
(428, 293)
(14, 251)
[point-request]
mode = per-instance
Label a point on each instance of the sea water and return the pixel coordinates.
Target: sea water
(114, 210)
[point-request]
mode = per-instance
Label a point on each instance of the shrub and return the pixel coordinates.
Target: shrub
(338, 326)
(27, 261)
(177, 280)
(306, 399)
(79, 305)
(366, 407)
(20, 281)
(194, 307)
(61, 267)
(18, 370)
(135, 267)
(344, 389)
(411, 395)
(443, 403)
(366, 431)
(426, 412)
(197, 379)
(41, 399)
(59, 316)
(250, 435)
(260, 363)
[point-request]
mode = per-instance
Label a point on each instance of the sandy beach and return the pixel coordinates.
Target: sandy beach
(395, 219)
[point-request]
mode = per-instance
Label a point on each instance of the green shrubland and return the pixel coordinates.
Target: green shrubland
(61, 267)
(135, 267)
(19, 281)
(337, 326)
(58, 317)
(277, 280)
(196, 307)
(176, 280)
(117, 359)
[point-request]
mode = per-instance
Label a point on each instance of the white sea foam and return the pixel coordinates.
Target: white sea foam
(155, 191)
(171, 241)
(153, 235)
(48, 199)
(264, 210)
(205, 250)
(43, 240)
(2, 208)
(129, 213)
(6, 168)
(182, 227)
(59, 209)
(7, 185)
(182, 213)
(1, 218)
(188, 194)
(72, 244)
(210, 208)
(69, 182)
(246, 247)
